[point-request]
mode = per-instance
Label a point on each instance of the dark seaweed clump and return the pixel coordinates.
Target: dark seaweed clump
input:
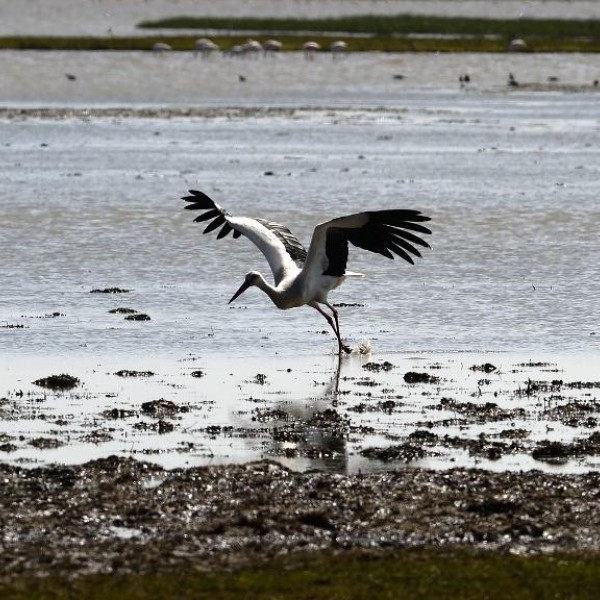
(112, 290)
(128, 373)
(58, 382)
(486, 368)
(376, 367)
(402, 452)
(413, 377)
(161, 408)
(138, 317)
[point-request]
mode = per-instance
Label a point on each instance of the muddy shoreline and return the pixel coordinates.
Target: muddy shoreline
(118, 515)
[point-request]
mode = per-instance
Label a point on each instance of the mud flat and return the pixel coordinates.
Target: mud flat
(364, 493)
(118, 515)
(431, 411)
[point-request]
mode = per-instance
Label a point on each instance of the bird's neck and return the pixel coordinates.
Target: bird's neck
(273, 293)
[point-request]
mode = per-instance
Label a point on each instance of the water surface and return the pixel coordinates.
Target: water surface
(91, 200)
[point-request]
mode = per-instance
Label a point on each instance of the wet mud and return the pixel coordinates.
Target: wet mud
(118, 515)
(58, 382)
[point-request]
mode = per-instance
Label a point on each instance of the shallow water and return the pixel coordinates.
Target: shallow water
(511, 188)
(92, 202)
(366, 78)
(231, 409)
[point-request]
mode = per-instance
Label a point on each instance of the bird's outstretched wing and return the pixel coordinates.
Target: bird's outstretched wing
(280, 246)
(386, 232)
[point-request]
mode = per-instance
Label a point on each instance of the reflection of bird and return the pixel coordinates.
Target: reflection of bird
(306, 277)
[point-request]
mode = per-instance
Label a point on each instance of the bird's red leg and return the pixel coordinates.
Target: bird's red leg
(332, 325)
(343, 346)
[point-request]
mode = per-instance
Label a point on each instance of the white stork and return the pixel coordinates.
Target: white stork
(310, 48)
(338, 48)
(160, 47)
(306, 277)
(205, 47)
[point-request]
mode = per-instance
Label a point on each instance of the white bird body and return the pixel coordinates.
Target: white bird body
(304, 277)
(160, 47)
(205, 46)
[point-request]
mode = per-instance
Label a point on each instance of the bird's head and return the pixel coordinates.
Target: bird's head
(252, 278)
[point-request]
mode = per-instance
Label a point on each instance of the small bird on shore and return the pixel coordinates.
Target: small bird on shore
(305, 277)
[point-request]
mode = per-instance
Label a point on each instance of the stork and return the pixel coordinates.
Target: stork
(338, 47)
(205, 47)
(310, 48)
(305, 277)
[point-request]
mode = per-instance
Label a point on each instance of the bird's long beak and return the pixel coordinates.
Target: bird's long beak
(242, 289)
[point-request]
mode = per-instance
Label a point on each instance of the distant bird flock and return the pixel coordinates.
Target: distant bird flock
(206, 47)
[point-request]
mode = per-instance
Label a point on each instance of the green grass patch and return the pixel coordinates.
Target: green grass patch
(406, 574)
(394, 25)
(379, 33)
(89, 43)
(294, 43)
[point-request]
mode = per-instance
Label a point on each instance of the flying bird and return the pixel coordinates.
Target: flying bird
(305, 277)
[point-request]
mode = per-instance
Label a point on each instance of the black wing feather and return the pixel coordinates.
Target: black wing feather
(383, 233)
(336, 248)
(400, 252)
(416, 227)
(211, 214)
(226, 229)
(409, 237)
(215, 224)
(398, 241)
(200, 201)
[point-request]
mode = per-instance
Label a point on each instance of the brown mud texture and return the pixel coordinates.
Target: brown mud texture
(118, 515)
